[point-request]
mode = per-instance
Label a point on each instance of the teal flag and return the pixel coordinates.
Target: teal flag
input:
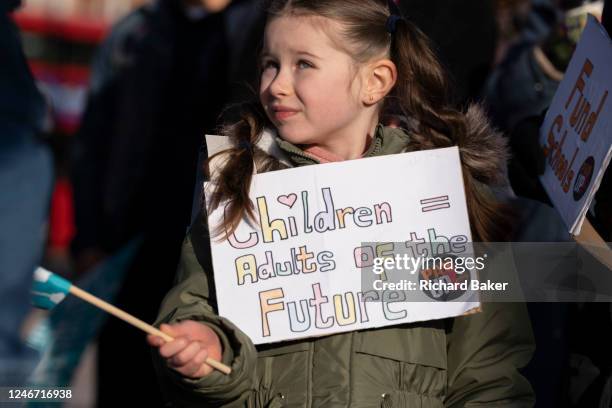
(72, 324)
(48, 289)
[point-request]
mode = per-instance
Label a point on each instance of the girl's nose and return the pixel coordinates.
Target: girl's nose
(281, 84)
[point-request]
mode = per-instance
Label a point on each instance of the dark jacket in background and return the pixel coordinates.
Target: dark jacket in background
(158, 85)
(20, 100)
(518, 88)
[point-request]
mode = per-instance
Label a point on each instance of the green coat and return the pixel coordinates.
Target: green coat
(466, 361)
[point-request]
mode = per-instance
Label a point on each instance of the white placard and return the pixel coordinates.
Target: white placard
(298, 273)
(577, 132)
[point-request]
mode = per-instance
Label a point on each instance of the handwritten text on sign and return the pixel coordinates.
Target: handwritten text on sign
(297, 273)
(576, 135)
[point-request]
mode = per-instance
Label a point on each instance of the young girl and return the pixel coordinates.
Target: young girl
(330, 71)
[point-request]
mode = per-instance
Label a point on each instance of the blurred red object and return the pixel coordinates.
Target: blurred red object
(61, 217)
(76, 29)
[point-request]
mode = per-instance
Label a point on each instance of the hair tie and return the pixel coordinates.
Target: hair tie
(245, 144)
(391, 24)
(395, 15)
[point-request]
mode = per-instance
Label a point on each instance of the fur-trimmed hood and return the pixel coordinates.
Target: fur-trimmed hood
(485, 150)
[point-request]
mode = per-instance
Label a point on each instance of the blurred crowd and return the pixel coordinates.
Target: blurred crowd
(168, 73)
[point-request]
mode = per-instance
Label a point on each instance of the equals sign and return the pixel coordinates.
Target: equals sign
(434, 203)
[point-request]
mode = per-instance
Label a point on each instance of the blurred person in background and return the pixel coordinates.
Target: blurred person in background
(470, 35)
(522, 87)
(158, 85)
(26, 176)
(525, 82)
(571, 338)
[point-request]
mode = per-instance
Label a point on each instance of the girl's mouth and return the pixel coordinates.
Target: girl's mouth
(282, 113)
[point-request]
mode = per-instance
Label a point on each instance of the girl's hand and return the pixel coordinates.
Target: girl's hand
(193, 343)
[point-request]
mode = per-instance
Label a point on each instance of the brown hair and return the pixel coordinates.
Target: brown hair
(420, 94)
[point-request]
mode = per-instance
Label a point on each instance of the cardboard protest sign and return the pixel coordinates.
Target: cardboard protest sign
(298, 272)
(577, 132)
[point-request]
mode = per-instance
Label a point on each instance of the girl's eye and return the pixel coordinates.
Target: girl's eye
(267, 64)
(302, 64)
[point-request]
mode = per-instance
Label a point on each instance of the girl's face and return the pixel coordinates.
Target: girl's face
(309, 88)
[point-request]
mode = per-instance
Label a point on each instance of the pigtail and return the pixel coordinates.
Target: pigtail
(232, 180)
(422, 94)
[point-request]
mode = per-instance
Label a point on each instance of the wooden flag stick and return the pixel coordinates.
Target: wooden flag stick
(88, 297)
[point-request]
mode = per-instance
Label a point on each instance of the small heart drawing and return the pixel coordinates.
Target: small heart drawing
(287, 200)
